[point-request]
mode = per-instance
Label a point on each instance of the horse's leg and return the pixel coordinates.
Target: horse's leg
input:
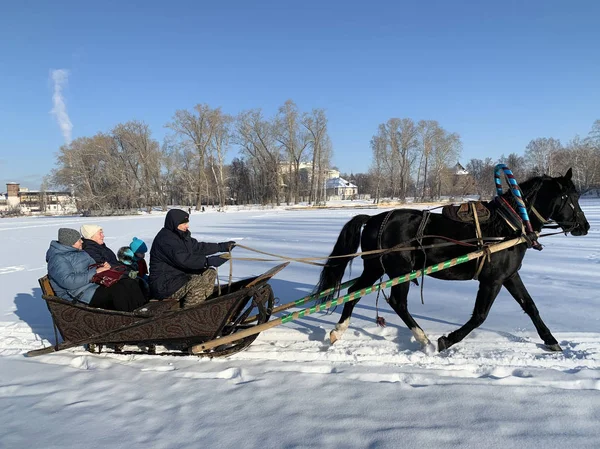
(399, 302)
(372, 271)
(517, 289)
(485, 298)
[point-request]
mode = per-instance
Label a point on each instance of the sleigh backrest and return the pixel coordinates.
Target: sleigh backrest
(47, 289)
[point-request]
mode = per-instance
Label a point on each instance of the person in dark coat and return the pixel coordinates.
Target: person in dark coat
(71, 270)
(180, 266)
(93, 244)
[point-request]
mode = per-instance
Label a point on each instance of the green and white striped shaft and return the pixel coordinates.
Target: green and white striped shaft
(304, 300)
(365, 291)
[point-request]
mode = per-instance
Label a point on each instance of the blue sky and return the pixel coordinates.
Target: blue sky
(498, 73)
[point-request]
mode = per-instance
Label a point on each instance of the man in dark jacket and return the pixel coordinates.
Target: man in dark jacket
(179, 266)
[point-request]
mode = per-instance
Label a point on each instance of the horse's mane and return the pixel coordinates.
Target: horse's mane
(530, 189)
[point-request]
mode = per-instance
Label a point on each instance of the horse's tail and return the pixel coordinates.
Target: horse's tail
(347, 243)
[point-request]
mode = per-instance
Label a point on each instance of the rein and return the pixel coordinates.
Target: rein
(369, 254)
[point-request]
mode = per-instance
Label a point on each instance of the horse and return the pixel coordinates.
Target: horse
(431, 234)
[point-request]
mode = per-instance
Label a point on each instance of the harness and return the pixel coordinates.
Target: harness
(476, 212)
(379, 319)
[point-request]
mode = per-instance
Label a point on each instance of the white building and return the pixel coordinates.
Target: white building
(284, 168)
(340, 189)
(25, 201)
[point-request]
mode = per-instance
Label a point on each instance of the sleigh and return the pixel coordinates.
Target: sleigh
(165, 323)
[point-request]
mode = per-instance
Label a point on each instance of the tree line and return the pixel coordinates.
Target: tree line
(545, 155)
(282, 158)
(286, 158)
(410, 158)
(420, 160)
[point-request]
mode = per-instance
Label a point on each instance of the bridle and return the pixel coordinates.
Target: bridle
(566, 201)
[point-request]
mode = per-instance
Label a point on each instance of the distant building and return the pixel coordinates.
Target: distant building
(460, 170)
(340, 189)
(457, 182)
(24, 201)
(284, 167)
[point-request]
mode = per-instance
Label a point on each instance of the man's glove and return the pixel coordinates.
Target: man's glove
(226, 246)
(215, 261)
(531, 241)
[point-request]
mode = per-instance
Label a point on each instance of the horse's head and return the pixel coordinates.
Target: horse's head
(559, 200)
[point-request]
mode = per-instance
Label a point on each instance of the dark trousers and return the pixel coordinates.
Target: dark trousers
(124, 296)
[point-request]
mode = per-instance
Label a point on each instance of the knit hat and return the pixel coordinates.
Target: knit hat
(125, 255)
(68, 236)
(88, 230)
(138, 246)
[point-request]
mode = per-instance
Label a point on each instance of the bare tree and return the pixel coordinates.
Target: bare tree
(408, 144)
(446, 150)
(584, 158)
(256, 138)
(517, 165)
(324, 162)
(482, 173)
(295, 141)
(197, 128)
(218, 147)
(426, 131)
(594, 135)
(540, 155)
(315, 123)
(378, 147)
(240, 183)
(140, 163)
(390, 133)
(172, 169)
(81, 165)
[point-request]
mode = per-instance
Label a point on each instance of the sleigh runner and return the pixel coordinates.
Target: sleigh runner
(164, 323)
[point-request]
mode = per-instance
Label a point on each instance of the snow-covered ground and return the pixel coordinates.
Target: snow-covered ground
(374, 388)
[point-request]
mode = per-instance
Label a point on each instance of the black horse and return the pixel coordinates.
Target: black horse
(547, 198)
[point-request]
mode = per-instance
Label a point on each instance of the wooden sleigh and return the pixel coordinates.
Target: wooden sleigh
(165, 323)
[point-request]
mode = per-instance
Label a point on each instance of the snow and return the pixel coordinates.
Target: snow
(375, 388)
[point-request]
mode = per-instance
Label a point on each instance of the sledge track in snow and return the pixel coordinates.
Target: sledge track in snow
(505, 359)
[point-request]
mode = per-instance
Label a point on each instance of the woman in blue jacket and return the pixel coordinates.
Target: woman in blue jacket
(70, 271)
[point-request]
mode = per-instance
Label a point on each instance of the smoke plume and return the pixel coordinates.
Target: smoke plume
(60, 78)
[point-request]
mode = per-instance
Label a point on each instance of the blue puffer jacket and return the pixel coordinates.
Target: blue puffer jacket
(69, 272)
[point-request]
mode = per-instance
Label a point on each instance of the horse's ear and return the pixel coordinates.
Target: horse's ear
(569, 174)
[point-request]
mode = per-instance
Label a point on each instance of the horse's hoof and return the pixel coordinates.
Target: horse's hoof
(555, 347)
(443, 343)
(429, 349)
(333, 337)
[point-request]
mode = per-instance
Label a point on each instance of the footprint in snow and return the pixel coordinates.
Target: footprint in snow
(160, 369)
(237, 375)
(8, 270)
(383, 378)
